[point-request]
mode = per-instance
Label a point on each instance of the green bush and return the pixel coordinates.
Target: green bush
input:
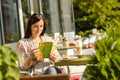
(8, 67)
(106, 61)
(85, 34)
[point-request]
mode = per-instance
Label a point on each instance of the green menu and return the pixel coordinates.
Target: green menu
(45, 48)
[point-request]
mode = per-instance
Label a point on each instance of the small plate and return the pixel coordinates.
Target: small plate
(79, 56)
(65, 59)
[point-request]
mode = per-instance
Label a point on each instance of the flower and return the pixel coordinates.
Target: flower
(64, 39)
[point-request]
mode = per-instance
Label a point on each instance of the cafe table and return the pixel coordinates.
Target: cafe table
(79, 60)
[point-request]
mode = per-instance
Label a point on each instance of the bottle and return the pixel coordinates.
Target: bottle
(78, 43)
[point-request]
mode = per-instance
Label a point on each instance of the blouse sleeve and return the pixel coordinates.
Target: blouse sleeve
(22, 55)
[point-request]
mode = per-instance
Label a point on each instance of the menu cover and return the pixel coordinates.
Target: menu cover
(45, 48)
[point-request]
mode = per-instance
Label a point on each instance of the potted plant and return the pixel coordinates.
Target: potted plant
(106, 61)
(8, 67)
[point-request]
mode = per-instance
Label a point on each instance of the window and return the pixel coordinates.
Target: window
(10, 21)
(46, 12)
(25, 11)
(36, 6)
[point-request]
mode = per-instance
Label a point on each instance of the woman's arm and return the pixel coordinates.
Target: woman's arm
(25, 60)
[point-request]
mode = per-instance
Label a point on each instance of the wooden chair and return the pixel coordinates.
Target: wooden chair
(48, 77)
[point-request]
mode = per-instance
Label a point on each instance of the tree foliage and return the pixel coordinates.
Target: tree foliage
(96, 13)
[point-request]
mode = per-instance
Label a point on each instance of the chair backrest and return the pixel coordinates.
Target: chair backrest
(12, 45)
(48, 77)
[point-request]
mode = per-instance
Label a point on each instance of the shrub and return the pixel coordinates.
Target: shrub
(107, 58)
(8, 67)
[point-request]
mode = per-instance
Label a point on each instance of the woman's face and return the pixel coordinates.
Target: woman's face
(37, 28)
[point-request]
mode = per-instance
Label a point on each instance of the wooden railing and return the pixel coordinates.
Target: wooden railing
(48, 77)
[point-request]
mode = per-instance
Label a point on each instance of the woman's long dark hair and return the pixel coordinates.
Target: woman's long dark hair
(32, 20)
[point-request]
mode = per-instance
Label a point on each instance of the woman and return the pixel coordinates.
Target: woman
(27, 47)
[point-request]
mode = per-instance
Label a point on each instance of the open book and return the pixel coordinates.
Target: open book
(45, 48)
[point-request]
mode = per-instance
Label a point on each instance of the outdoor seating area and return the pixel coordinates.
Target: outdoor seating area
(71, 62)
(72, 59)
(67, 40)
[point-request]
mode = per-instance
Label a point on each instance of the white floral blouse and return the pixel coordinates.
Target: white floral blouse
(24, 47)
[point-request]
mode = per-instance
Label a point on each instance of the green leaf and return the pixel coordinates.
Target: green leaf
(1, 75)
(8, 68)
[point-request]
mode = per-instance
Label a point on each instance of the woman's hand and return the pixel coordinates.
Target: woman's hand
(53, 57)
(35, 54)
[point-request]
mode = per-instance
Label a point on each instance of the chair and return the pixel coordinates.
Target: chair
(47, 77)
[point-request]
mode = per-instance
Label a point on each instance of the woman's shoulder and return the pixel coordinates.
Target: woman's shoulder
(23, 40)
